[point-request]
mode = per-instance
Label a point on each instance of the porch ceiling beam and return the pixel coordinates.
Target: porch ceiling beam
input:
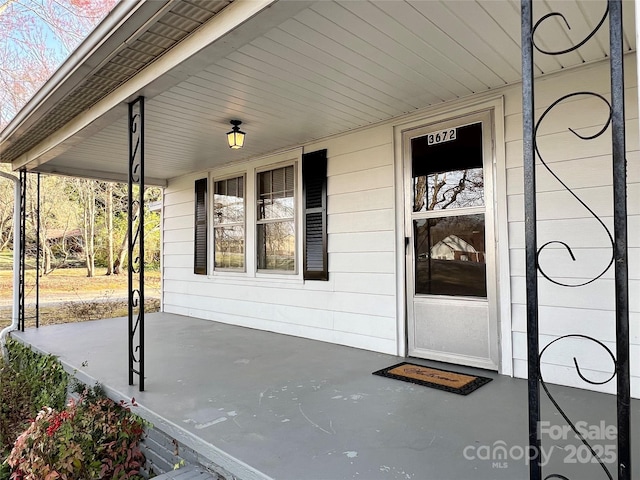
(168, 70)
(98, 175)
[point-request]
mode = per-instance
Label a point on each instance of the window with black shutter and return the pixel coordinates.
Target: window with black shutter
(275, 226)
(200, 228)
(314, 191)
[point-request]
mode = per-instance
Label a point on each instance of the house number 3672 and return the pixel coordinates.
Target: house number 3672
(441, 136)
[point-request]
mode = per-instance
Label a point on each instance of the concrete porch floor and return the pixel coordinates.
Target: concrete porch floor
(263, 405)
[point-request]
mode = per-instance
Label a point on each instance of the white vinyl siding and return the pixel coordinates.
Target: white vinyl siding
(359, 304)
(356, 306)
(586, 167)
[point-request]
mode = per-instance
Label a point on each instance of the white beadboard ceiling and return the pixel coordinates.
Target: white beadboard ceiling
(334, 66)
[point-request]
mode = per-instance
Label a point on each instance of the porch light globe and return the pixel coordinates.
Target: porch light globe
(235, 137)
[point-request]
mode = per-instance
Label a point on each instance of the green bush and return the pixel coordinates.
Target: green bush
(28, 382)
(92, 438)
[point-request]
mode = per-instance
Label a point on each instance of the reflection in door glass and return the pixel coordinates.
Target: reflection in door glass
(448, 175)
(450, 256)
(457, 189)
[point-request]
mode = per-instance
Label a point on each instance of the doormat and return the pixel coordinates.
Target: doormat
(446, 380)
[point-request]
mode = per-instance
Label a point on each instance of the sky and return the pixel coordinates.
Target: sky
(36, 36)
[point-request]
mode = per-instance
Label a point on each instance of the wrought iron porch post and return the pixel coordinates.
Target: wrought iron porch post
(136, 242)
(619, 256)
(620, 236)
(531, 242)
(23, 252)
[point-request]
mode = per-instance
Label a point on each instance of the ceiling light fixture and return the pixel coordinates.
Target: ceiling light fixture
(235, 137)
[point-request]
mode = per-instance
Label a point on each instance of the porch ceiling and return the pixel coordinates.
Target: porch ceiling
(330, 67)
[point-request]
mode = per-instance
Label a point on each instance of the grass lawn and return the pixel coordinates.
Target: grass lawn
(76, 297)
(6, 260)
(74, 282)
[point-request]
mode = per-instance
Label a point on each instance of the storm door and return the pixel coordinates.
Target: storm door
(451, 291)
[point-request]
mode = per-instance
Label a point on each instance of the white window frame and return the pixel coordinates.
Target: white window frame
(296, 213)
(250, 169)
(243, 224)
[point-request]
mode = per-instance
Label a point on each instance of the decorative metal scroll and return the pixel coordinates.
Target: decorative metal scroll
(136, 241)
(618, 240)
(23, 249)
(22, 289)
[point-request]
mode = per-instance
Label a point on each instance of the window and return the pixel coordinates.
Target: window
(276, 240)
(228, 224)
(449, 244)
(278, 229)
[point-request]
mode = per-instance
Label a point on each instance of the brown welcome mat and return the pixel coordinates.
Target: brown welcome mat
(446, 380)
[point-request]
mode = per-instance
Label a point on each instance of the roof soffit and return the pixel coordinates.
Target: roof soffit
(157, 27)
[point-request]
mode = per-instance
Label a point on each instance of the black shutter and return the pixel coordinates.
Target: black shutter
(314, 200)
(200, 229)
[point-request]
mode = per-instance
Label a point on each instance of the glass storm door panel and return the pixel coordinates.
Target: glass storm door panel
(451, 289)
(450, 256)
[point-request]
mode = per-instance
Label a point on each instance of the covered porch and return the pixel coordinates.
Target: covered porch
(350, 79)
(261, 405)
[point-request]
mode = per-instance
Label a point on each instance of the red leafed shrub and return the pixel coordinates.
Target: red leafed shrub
(93, 438)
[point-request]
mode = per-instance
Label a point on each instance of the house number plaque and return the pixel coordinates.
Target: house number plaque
(442, 136)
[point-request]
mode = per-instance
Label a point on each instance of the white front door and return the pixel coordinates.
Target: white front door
(451, 274)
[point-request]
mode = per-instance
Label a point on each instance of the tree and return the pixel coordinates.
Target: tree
(440, 190)
(6, 210)
(151, 230)
(79, 219)
(57, 211)
(35, 37)
(86, 195)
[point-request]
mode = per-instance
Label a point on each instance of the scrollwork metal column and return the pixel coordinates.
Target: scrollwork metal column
(136, 241)
(23, 249)
(616, 119)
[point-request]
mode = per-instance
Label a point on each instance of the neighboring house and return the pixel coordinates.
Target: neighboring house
(69, 241)
(352, 110)
(455, 248)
